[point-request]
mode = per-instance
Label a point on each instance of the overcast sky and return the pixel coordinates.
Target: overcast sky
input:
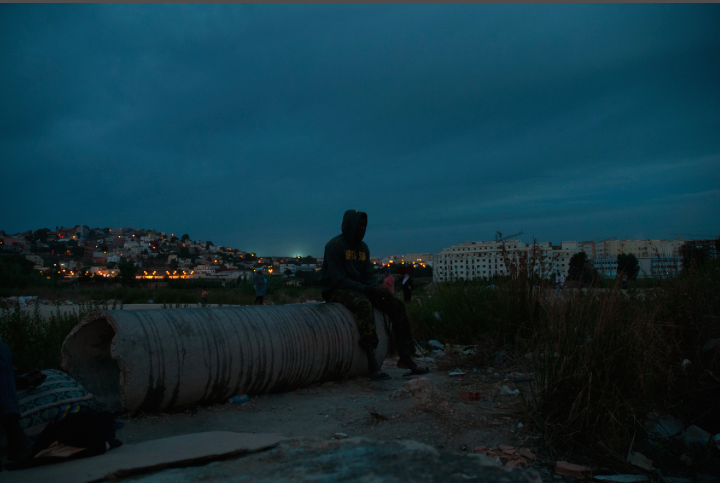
(257, 126)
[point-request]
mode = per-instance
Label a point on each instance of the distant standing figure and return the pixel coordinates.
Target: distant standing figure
(560, 281)
(625, 278)
(389, 281)
(204, 296)
(407, 286)
(260, 286)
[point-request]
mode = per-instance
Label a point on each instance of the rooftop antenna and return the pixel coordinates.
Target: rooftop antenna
(499, 237)
(694, 236)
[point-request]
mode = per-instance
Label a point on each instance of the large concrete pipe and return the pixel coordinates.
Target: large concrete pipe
(153, 360)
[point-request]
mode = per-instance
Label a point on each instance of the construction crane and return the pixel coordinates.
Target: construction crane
(499, 237)
(695, 236)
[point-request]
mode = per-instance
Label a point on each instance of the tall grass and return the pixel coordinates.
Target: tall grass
(603, 357)
(35, 340)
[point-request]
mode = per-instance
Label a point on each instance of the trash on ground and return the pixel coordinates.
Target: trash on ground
(526, 453)
(434, 343)
(641, 461)
(506, 391)
(437, 315)
(340, 436)
(520, 425)
(456, 372)
(676, 479)
(622, 478)
(685, 363)
(664, 428)
(696, 437)
(243, 398)
(376, 415)
(576, 471)
(470, 395)
(712, 343)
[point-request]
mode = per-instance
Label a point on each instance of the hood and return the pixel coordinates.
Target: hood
(351, 219)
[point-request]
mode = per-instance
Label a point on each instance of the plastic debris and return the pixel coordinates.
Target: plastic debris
(520, 425)
(685, 363)
(239, 399)
(641, 461)
(340, 436)
(434, 343)
(696, 437)
(666, 427)
(456, 373)
(506, 391)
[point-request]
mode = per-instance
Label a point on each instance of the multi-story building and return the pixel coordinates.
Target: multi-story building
(486, 259)
(481, 260)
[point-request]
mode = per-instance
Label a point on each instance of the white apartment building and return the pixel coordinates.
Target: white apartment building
(482, 260)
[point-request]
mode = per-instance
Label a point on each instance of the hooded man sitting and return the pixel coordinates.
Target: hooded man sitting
(345, 278)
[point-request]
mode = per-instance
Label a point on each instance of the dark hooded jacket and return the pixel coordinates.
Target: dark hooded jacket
(345, 265)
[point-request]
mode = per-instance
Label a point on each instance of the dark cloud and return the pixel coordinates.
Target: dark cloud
(258, 125)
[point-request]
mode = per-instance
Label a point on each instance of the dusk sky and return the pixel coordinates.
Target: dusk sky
(257, 126)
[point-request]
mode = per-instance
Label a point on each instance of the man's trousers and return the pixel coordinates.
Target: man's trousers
(362, 308)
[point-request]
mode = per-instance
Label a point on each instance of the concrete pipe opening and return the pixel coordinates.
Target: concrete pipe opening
(86, 355)
(153, 360)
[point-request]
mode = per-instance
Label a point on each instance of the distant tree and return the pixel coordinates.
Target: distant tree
(127, 272)
(288, 272)
(695, 257)
(111, 265)
(184, 252)
(173, 239)
(40, 234)
(185, 237)
(17, 271)
(208, 244)
(580, 268)
(629, 265)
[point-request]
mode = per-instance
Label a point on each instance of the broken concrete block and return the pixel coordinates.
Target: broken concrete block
(641, 461)
(525, 452)
(518, 462)
(421, 388)
(576, 471)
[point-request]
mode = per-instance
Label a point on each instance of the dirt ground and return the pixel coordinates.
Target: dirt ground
(425, 409)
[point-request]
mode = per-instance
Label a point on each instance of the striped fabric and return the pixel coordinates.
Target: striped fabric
(41, 404)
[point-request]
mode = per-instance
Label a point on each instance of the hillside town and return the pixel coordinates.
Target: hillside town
(81, 252)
